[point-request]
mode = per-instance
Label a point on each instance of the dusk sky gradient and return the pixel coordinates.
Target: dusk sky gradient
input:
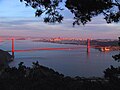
(18, 20)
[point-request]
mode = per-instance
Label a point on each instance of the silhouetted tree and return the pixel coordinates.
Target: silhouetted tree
(117, 57)
(113, 73)
(42, 78)
(83, 10)
(48, 7)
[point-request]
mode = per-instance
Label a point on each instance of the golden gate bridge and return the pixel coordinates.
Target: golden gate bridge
(13, 50)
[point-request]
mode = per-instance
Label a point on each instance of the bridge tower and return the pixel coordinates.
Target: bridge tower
(13, 50)
(88, 45)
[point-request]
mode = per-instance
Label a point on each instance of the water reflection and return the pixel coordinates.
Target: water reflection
(88, 55)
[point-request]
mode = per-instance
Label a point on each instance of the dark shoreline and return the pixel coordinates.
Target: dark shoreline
(5, 58)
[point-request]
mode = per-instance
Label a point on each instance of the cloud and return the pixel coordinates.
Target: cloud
(36, 27)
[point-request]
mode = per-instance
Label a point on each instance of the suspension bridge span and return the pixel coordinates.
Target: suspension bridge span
(13, 50)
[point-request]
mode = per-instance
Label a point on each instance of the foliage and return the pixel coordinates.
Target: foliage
(83, 10)
(113, 73)
(42, 78)
(117, 57)
(48, 7)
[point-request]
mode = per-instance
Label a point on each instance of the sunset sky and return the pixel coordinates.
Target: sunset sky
(18, 20)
